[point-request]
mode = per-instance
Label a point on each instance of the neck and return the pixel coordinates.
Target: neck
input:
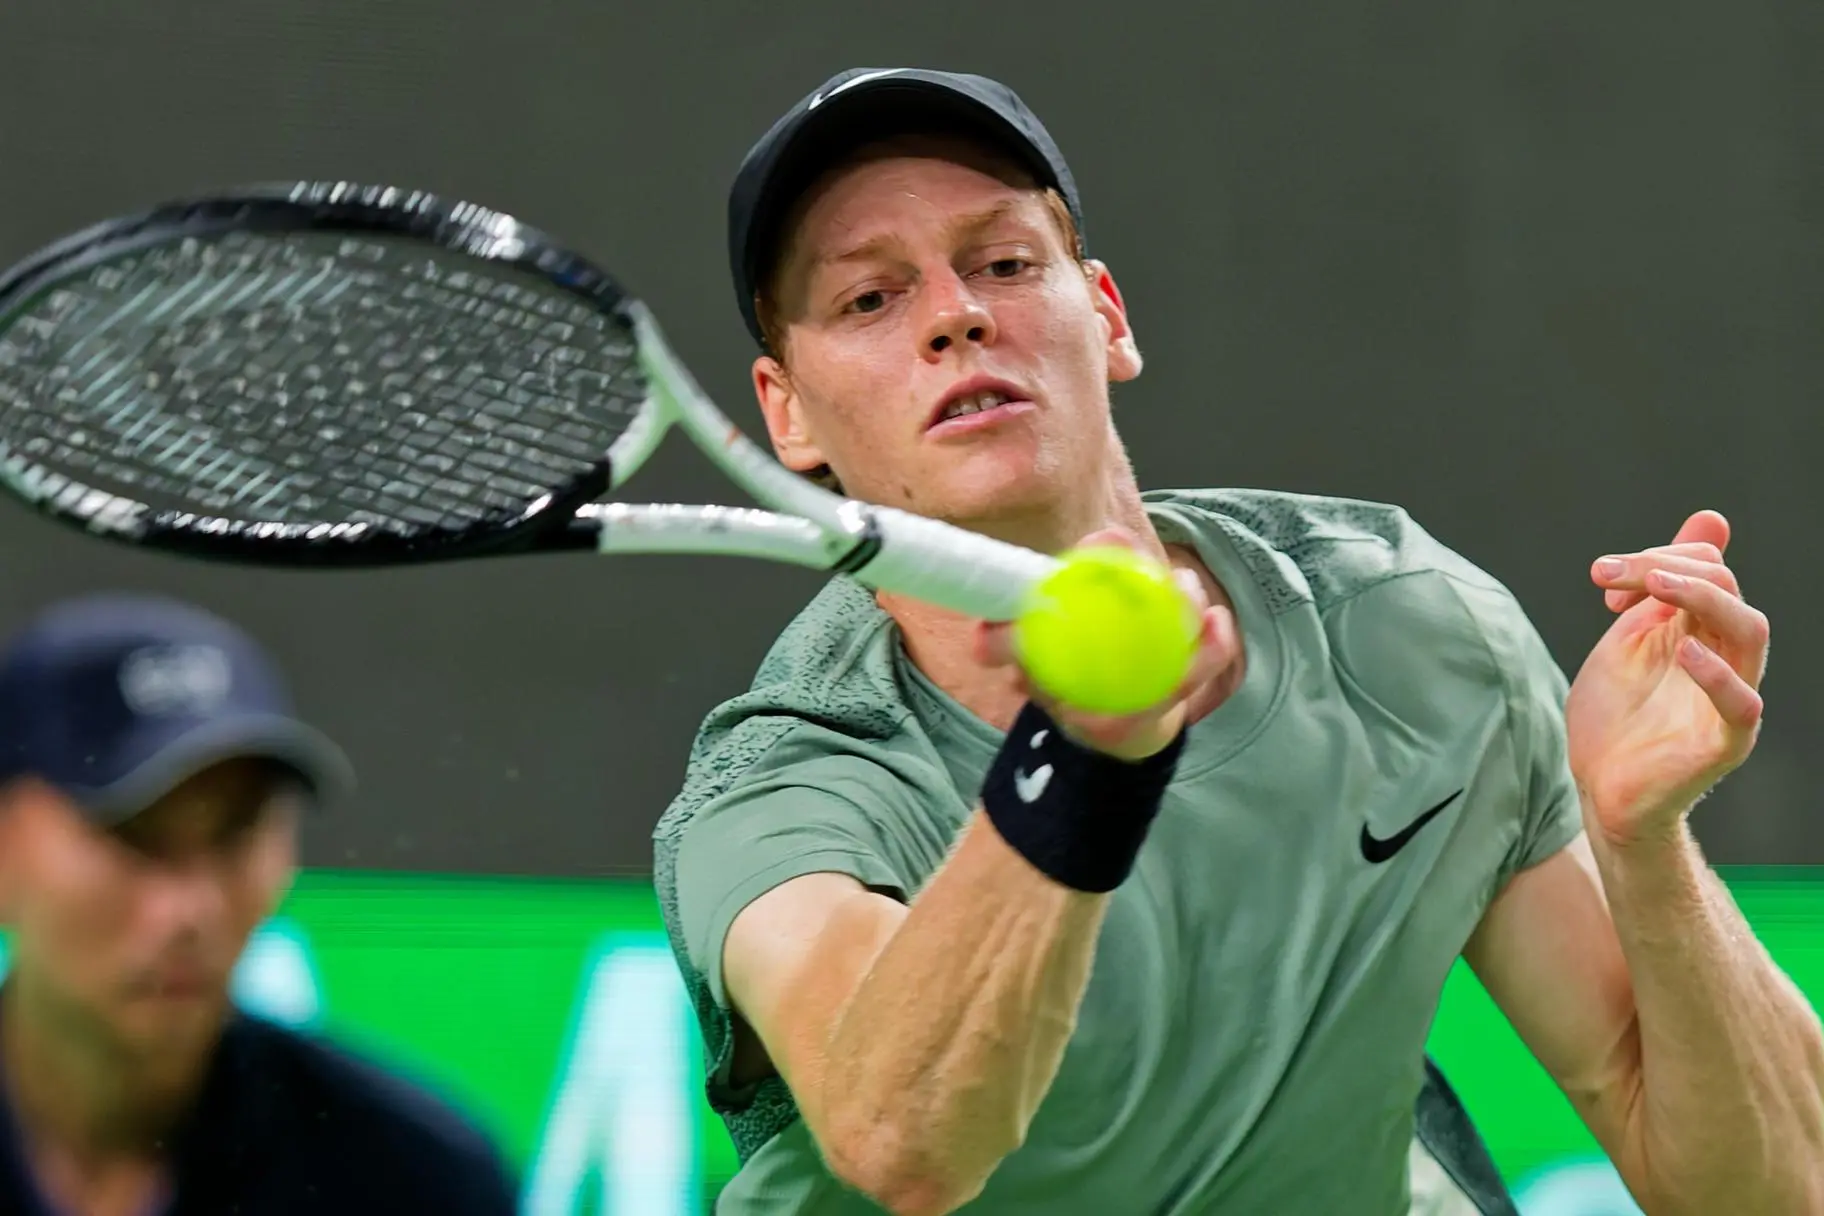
(942, 643)
(1053, 528)
(87, 1104)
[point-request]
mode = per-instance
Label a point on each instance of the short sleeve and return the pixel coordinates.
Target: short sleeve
(815, 815)
(1552, 815)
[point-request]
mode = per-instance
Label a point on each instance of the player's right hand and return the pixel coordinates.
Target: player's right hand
(1214, 675)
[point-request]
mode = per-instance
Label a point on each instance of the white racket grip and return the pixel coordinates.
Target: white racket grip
(950, 567)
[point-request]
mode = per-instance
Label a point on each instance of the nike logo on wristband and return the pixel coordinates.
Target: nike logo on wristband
(1029, 786)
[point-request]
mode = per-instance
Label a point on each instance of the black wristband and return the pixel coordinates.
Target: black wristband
(1077, 815)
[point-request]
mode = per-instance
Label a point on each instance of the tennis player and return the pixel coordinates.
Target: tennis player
(954, 947)
(151, 778)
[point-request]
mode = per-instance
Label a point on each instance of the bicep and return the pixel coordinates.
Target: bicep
(790, 962)
(1548, 954)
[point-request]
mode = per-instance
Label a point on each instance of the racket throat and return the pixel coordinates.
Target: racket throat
(860, 524)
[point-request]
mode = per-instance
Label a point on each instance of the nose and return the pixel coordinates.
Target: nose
(187, 892)
(955, 316)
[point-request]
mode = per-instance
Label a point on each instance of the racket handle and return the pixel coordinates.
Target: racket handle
(948, 566)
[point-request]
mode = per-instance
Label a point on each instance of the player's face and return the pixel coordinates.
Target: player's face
(945, 349)
(134, 932)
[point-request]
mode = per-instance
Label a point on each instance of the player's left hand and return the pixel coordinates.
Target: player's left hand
(1669, 700)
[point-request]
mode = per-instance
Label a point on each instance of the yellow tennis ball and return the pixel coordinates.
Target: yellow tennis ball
(1109, 632)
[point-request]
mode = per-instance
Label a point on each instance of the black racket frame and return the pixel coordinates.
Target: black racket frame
(549, 525)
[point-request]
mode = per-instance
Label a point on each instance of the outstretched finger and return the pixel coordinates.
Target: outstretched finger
(1737, 703)
(1741, 628)
(1620, 574)
(1704, 527)
(1626, 579)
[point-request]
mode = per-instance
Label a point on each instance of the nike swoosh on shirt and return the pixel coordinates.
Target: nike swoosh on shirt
(1377, 850)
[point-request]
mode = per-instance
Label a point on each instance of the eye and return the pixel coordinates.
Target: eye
(1005, 268)
(868, 301)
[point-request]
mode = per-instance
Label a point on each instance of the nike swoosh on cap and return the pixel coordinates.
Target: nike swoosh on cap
(849, 84)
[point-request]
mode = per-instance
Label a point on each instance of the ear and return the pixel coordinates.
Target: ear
(1124, 362)
(281, 855)
(783, 410)
(279, 892)
(282, 892)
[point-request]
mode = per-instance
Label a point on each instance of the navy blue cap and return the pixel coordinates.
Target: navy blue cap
(117, 699)
(858, 106)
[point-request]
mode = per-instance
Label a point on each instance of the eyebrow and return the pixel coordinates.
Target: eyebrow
(969, 224)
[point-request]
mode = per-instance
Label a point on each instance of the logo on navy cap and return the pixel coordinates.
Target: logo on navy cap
(174, 681)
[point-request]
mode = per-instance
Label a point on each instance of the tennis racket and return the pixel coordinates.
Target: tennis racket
(337, 375)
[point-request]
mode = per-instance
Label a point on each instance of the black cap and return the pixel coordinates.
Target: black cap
(855, 107)
(116, 699)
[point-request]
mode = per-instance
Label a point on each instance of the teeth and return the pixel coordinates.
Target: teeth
(975, 403)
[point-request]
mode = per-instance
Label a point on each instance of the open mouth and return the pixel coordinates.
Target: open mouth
(974, 403)
(981, 396)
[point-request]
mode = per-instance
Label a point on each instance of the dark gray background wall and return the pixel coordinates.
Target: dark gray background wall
(1551, 275)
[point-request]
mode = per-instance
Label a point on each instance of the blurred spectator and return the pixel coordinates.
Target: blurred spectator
(152, 775)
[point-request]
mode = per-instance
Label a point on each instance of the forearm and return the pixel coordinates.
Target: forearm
(1729, 1109)
(942, 1054)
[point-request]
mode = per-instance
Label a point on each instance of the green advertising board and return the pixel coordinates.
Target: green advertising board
(552, 1011)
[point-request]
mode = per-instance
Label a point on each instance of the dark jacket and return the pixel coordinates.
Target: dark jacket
(288, 1125)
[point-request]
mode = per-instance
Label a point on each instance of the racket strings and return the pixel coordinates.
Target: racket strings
(316, 378)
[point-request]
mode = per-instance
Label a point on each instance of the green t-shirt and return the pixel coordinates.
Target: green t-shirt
(1252, 1036)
